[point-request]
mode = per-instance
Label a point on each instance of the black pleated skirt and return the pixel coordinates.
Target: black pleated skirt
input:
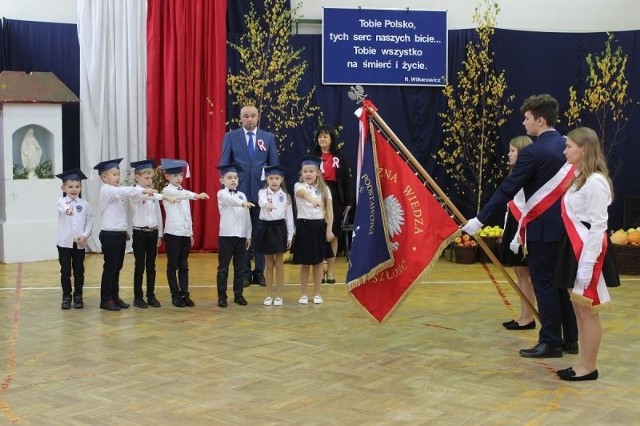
(271, 237)
(567, 266)
(310, 245)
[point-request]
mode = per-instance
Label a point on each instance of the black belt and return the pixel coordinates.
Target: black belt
(145, 229)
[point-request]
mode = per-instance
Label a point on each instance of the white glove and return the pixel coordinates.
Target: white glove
(584, 275)
(473, 226)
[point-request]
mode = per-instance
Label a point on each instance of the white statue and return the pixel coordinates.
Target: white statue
(31, 153)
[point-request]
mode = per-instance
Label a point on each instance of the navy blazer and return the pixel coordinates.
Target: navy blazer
(235, 150)
(537, 164)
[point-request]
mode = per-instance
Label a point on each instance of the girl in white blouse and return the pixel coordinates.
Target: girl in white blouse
(584, 267)
(313, 226)
(275, 232)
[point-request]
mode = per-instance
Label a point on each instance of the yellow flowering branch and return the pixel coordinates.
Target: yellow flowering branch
(476, 108)
(272, 70)
(603, 104)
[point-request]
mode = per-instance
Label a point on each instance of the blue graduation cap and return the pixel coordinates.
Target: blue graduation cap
(274, 170)
(172, 166)
(143, 164)
(310, 160)
(73, 174)
(108, 164)
(226, 168)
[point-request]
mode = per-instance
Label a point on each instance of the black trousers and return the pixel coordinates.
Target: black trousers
(145, 251)
(113, 244)
(557, 319)
(230, 248)
(71, 259)
(177, 261)
(251, 253)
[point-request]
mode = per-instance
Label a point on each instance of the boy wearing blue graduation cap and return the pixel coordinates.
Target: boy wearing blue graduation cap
(178, 231)
(113, 230)
(234, 237)
(146, 219)
(75, 221)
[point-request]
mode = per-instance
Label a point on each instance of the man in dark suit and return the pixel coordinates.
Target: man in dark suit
(538, 165)
(253, 149)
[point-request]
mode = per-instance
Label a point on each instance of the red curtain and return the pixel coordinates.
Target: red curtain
(186, 98)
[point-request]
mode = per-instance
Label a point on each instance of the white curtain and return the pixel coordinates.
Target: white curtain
(113, 114)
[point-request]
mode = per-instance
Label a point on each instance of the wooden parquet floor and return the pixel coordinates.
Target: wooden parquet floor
(443, 359)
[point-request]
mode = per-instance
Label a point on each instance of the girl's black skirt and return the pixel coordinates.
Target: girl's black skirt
(271, 237)
(506, 256)
(567, 266)
(310, 245)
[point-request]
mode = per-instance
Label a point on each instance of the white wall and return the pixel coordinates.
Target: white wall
(537, 15)
(63, 11)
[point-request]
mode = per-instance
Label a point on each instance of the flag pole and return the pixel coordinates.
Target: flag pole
(435, 188)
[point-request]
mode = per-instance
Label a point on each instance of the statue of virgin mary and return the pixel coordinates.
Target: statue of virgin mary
(31, 152)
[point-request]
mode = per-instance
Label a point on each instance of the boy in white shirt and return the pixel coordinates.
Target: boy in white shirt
(234, 237)
(146, 219)
(75, 220)
(178, 231)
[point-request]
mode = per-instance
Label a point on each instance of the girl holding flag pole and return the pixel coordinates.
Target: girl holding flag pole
(585, 266)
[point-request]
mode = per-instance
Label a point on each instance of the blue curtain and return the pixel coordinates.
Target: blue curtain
(534, 63)
(48, 47)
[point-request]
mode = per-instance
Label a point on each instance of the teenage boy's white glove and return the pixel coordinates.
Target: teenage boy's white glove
(473, 226)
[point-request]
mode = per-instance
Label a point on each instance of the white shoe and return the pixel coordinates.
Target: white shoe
(268, 301)
(277, 301)
(317, 300)
(303, 300)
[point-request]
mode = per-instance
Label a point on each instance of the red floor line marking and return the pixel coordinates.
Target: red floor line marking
(13, 343)
(499, 289)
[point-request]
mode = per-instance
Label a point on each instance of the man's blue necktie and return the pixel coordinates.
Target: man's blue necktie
(250, 144)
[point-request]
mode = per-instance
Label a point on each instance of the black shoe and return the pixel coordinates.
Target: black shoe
(240, 300)
(258, 278)
(66, 303)
(571, 348)
(109, 306)
(569, 375)
(330, 281)
(222, 303)
(542, 350)
(178, 302)
(153, 302)
(505, 324)
(515, 326)
(246, 281)
(121, 303)
(77, 302)
(188, 302)
(140, 303)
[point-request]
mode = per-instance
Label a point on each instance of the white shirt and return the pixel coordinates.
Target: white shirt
(178, 215)
(282, 208)
(589, 204)
(78, 224)
(112, 203)
(145, 212)
(306, 210)
(235, 220)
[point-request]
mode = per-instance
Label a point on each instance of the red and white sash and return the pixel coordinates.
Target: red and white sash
(541, 200)
(596, 293)
(515, 207)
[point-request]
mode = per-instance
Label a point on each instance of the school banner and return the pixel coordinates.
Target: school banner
(417, 228)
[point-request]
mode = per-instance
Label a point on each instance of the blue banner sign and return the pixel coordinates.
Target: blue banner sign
(384, 47)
